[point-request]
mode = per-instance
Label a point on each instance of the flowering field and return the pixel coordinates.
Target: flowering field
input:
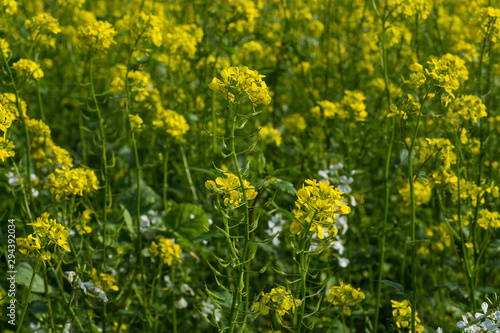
(249, 166)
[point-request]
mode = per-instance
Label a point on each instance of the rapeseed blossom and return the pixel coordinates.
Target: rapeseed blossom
(401, 311)
(345, 297)
(242, 80)
(230, 187)
(28, 68)
(167, 250)
(316, 208)
(280, 299)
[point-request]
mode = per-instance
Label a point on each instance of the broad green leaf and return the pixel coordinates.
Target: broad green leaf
(188, 221)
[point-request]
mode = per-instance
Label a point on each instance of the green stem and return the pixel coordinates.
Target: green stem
(387, 183)
(188, 173)
(106, 179)
(165, 176)
(413, 213)
(174, 308)
(241, 272)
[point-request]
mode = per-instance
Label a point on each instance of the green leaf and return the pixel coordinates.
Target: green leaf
(284, 186)
(128, 222)
(188, 221)
(24, 274)
(395, 285)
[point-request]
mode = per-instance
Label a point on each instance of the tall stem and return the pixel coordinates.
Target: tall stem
(27, 300)
(386, 179)
(241, 272)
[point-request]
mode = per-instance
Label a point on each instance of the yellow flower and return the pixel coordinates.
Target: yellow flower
(136, 122)
(316, 206)
(402, 313)
(6, 149)
(345, 297)
(174, 124)
(280, 298)
(230, 187)
(166, 250)
(44, 22)
(269, 134)
(242, 80)
(97, 35)
(28, 68)
(105, 281)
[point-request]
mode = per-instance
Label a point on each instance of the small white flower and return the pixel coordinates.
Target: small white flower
(343, 262)
(181, 304)
(439, 330)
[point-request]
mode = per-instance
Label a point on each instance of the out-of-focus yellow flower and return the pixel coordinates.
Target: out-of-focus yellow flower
(166, 250)
(345, 297)
(28, 68)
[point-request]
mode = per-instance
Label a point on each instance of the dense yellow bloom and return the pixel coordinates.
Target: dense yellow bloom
(345, 297)
(5, 119)
(279, 298)
(488, 219)
(51, 232)
(316, 208)
(44, 22)
(294, 123)
(6, 149)
(171, 122)
(47, 232)
(98, 35)
(9, 6)
(66, 181)
(28, 68)
(486, 22)
(440, 238)
(104, 281)
(354, 103)
(464, 108)
(4, 46)
(136, 122)
(166, 250)
(142, 25)
(444, 72)
(330, 110)
(422, 191)
(38, 127)
(142, 84)
(401, 311)
(242, 80)
(230, 187)
(269, 134)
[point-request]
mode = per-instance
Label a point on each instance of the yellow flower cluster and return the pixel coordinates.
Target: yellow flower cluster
(97, 35)
(401, 311)
(269, 134)
(465, 108)
(6, 146)
(9, 6)
(104, 281)
(142, 25)
(278, 298)
(68, 181)
(351, 106)
(316, 207)
(488, 219)
(136, 122)
(28, 68)
(423, 193)
(444, 72)
(294, 123)
(47, 232)
(171, 122)
(242, 80)
(440, 238)
(345, 297)
(82, 226)
(6, 149)
(44, 23)
(166, 250)
(142, 84)
(4, 46)
(486, 22)
(230, 188)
